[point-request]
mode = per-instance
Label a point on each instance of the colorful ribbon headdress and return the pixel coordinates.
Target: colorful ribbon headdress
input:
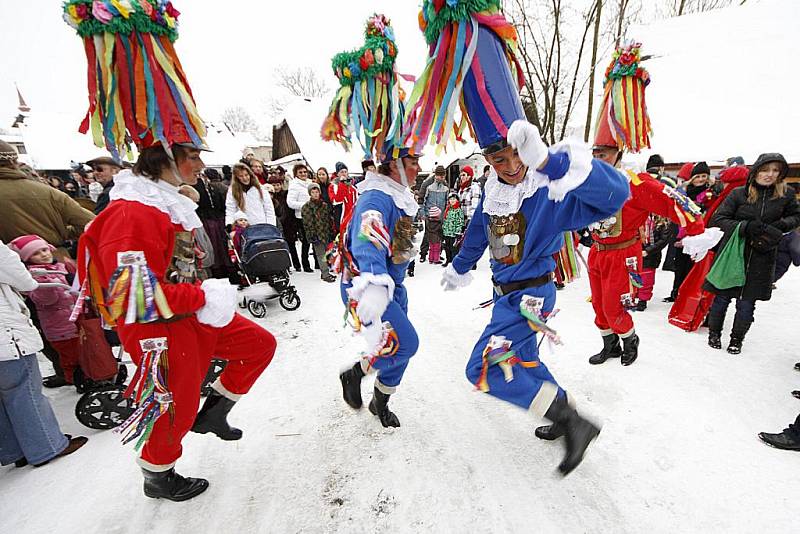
(623, 121)
(369, 102)
(471, 65)
(137, 88)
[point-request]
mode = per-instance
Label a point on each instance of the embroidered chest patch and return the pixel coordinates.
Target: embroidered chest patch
(507, 237)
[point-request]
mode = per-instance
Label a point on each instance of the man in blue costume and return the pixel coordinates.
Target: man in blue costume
(537, 195)
(377, 249)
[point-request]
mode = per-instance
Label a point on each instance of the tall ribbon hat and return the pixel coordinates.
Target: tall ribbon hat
(138, 90)
(472, 66)
(623, 121)
(369, 102)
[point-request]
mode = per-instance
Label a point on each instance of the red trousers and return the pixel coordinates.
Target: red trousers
(610, 281)
(191, 345)
(69, 351)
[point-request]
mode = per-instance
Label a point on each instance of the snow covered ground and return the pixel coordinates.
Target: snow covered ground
(678, 451)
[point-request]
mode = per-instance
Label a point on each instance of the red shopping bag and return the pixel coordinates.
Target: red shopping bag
(96, 358)
(692, 304)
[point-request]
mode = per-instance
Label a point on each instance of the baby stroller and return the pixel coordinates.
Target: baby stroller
(264, 267)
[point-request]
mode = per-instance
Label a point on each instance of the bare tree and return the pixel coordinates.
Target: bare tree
(676, 8)
(593, 67)
(239, 120)
(552, 45)
(301, 81)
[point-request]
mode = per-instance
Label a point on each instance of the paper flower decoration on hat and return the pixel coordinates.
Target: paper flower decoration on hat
(369, 102)
(471, 65)
(623, 120)
(137, 88)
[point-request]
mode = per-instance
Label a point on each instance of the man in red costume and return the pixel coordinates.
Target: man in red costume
(615, 259)
(138, 259)
(343, 195)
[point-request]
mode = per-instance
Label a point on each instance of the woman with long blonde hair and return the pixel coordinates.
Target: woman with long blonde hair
(246, 194)
(761, 212)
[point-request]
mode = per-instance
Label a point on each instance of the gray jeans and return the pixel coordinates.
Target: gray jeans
(319, 252)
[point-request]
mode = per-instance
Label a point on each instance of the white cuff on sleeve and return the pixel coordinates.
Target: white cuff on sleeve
(363, 280)
(220, 306)
(580, 166)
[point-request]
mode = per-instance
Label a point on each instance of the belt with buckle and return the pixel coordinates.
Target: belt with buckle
(505, 289)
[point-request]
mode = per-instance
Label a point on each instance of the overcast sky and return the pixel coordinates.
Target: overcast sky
(228, 49)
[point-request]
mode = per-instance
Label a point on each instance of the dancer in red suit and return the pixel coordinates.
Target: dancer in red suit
(137, 259)
(615, 259)
(343, 195)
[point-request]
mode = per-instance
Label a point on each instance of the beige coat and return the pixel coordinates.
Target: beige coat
(29, 207)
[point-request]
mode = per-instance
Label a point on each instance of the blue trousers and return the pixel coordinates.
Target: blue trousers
(528, 382)
(391, 368)
(28, 426)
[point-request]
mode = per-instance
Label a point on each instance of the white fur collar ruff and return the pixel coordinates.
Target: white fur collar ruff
(402, 196)
(160, 195)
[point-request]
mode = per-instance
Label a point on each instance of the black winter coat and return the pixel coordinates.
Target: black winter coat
(662, 236)
(782, 213)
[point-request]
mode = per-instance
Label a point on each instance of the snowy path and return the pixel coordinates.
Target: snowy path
(678, 451)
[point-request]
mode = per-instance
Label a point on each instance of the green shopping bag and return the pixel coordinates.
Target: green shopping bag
(728, 270)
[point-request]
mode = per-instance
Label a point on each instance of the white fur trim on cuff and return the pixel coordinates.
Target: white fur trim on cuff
(221, 301)
(580, 166)
(544, 398)
(451, 280)
(697, 246)
(222, 390)
(386, 390)
(154, 468)
(363, 280)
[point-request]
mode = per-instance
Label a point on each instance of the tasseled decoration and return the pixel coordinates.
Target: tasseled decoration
(374, 231)
(148, 389)
(351, 317)
(531, 308)
(685, 208)
(386, 347)
(634, 282)
(134, 291)
(567, 269)
(498, 352)
(624, 110)
(369, 102)
(451, 31)
(137, 88)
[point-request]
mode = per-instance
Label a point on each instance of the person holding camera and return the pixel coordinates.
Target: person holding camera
(761, 211)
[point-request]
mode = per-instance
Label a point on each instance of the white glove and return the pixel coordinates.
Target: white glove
(373, 303)
(525, 137)
(451, 280)
(221, 302)
(697, 246)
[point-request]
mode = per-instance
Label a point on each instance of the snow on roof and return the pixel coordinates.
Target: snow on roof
(724, 82)
(52, 141)
(305, 116)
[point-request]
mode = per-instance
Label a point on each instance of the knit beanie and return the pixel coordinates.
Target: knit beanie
(314, 185)
(340, 166)
(239, 215)
(686, 171)
(7, 151)
(655, 161)
(467, 169)
(701, 167)
(27, 245)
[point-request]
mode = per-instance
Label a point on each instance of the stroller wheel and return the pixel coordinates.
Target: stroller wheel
(289, 300)
(257, 309)
(105, 408)
(214, 370)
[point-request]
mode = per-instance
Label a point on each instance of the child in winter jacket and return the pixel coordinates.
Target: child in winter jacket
(433, 231)
(452, 227)
(53, 304)
(318, 223)
(240, 224)
(657, 232)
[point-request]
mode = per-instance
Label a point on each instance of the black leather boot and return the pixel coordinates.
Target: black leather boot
(630, 349)
(611, 349)
(351, 386)
(715, 339)
(738, 332)
(550, 432)
(379, 405)
(172, 486)
(578, 431)
(788, 440)
(213, 417)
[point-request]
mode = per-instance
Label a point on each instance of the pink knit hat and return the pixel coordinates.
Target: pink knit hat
(27, 245)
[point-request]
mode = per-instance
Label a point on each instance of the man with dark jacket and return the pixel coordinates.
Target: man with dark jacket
(105, 169)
